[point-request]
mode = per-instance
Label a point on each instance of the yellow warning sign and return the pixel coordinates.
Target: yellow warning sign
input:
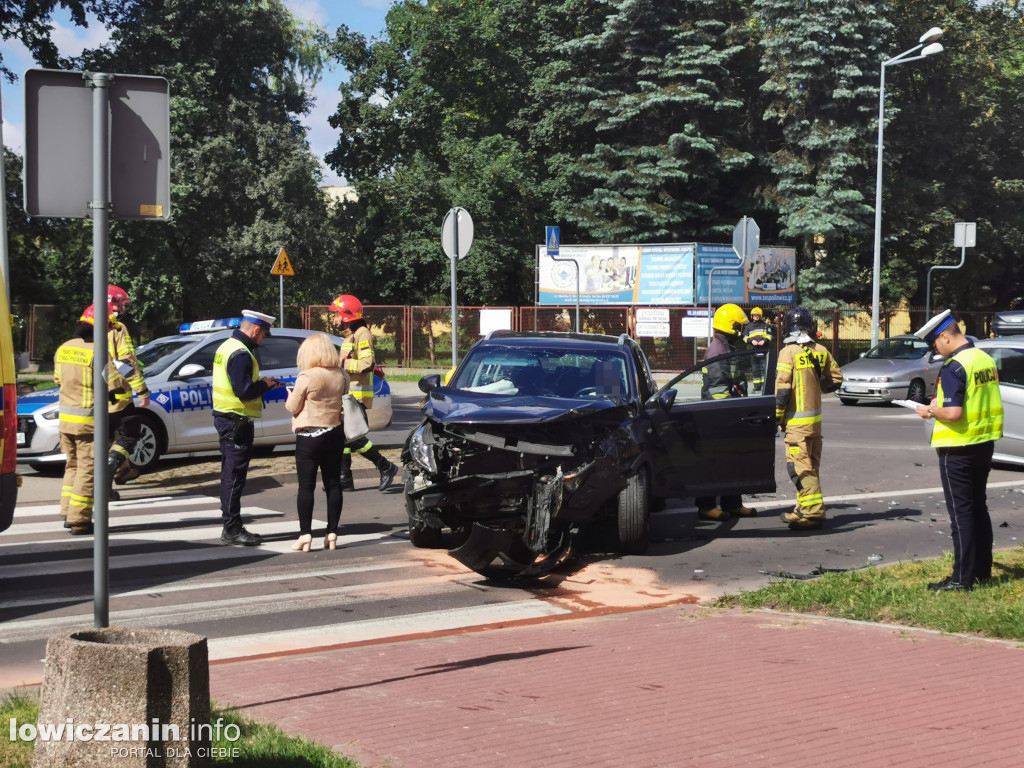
(282, 266)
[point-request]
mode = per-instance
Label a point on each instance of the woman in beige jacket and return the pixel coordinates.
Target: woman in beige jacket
(315, 405)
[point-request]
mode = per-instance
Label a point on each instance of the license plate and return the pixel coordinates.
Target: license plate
(21, 438)
(854, 389)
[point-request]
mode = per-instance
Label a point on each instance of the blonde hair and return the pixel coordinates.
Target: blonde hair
(317, 351)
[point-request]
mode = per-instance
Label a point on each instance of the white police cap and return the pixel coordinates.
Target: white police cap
(260, 319)
(931, 330)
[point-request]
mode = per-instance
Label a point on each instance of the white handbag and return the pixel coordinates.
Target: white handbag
(355, 419)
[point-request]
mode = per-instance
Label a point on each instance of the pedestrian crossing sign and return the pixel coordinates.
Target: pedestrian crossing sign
(283, 266)
(551, 240)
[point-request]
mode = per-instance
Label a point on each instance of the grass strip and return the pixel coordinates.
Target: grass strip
(898, 594)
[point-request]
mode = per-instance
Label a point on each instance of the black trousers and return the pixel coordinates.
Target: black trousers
(727, 502)
(322, 453)
(128, 427)
(964, 472)
(235, 455)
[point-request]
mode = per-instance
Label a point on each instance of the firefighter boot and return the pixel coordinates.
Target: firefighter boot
(386, 468)
(346, 471)
(114, 460)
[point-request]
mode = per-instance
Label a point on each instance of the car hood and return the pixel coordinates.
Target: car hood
(33, 401)
(882, 366)
(451, 406)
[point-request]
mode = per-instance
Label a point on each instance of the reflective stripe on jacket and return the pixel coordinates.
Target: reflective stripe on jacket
(224, 398)
(72, 370)
(798, 386)
(122, 350)
(982, 417)
(357, 360)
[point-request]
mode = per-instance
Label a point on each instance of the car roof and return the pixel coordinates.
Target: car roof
(223, 333)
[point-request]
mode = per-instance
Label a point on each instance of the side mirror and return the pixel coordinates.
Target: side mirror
(862, 354)
(936, 357)
(430, 382)
(190, 371)
(665, 399)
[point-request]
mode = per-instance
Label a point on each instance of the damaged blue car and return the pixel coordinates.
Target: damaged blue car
(538, 435)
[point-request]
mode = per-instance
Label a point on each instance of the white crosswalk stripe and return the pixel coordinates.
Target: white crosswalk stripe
(168, 569)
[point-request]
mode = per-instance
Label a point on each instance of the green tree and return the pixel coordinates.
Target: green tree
(429, 119)
(244, 181)
(820, 69)
(667, 148)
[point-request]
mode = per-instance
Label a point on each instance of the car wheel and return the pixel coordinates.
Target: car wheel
(633, 517)
(848, 400)
(421, 535)
(916, 392)
(147, 451)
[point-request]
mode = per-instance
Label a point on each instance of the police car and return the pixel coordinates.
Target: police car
(179, 419)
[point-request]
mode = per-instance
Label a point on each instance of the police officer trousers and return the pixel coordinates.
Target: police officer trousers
(964, 472)
(803, 459)
(236, 441)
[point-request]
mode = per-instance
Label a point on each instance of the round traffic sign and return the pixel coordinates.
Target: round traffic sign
(456, 240)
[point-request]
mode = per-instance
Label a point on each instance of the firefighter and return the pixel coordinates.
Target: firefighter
(804, 371)
(721, 380)
(72, 371)
(758, 334)
(126, 379)
(357, 360)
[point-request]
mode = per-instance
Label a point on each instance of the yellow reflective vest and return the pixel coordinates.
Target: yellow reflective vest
(72, 370)
(224, 398)
(982, 417)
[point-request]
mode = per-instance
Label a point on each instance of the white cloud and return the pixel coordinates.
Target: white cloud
(71, 40)
(308, 10)
(322, 137)
(14, 137)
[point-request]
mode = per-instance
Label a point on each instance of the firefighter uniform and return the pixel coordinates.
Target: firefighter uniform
(125, 378)
(802, 371)
(358, 361)
(969, 382)
(72, 371)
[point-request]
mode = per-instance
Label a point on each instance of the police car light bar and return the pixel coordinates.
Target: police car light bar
(205, 326)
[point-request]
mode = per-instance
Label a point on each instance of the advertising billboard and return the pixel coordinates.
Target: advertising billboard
(670, 274)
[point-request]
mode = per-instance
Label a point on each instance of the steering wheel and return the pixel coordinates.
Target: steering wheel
(587, 392)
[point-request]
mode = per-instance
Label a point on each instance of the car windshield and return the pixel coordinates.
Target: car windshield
(899, 349)
(157, 355)
(551, 372)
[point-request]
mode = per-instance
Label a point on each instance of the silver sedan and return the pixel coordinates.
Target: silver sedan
(899, 368)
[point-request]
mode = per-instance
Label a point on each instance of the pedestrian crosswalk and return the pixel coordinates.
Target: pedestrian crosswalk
(168, 569)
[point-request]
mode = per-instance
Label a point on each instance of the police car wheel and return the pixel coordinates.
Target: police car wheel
(147, 450)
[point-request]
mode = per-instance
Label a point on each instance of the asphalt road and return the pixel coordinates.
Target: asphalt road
(167, 569)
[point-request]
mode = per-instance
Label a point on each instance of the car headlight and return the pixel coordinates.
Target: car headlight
(421, 448)
(50, 415)
(881, 379)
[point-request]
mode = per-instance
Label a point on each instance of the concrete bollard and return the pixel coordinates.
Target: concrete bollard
(148, 689)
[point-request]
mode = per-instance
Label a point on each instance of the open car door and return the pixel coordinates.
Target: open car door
(713, 440)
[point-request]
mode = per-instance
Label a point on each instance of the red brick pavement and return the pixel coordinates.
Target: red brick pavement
(652, 689)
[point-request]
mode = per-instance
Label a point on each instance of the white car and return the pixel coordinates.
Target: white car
(179, 419)
(1008, 352)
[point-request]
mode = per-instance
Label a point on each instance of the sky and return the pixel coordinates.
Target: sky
(365, 16)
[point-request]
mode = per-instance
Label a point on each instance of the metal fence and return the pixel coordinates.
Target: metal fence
(420, 336)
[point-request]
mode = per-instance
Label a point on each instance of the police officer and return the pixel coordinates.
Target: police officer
(72, 371)
(237, 400)
(968, 413)
(805, 369)
(721, 380)
(126, 378)
(357, 360)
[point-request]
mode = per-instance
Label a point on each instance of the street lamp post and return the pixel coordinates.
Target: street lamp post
(927, 46)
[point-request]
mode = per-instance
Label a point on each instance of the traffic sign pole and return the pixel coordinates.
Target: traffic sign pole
(455, 298)
(456, 239)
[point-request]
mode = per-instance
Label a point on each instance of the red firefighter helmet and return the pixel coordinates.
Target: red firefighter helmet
(348, 307)
(88, 316)
(117, 299)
